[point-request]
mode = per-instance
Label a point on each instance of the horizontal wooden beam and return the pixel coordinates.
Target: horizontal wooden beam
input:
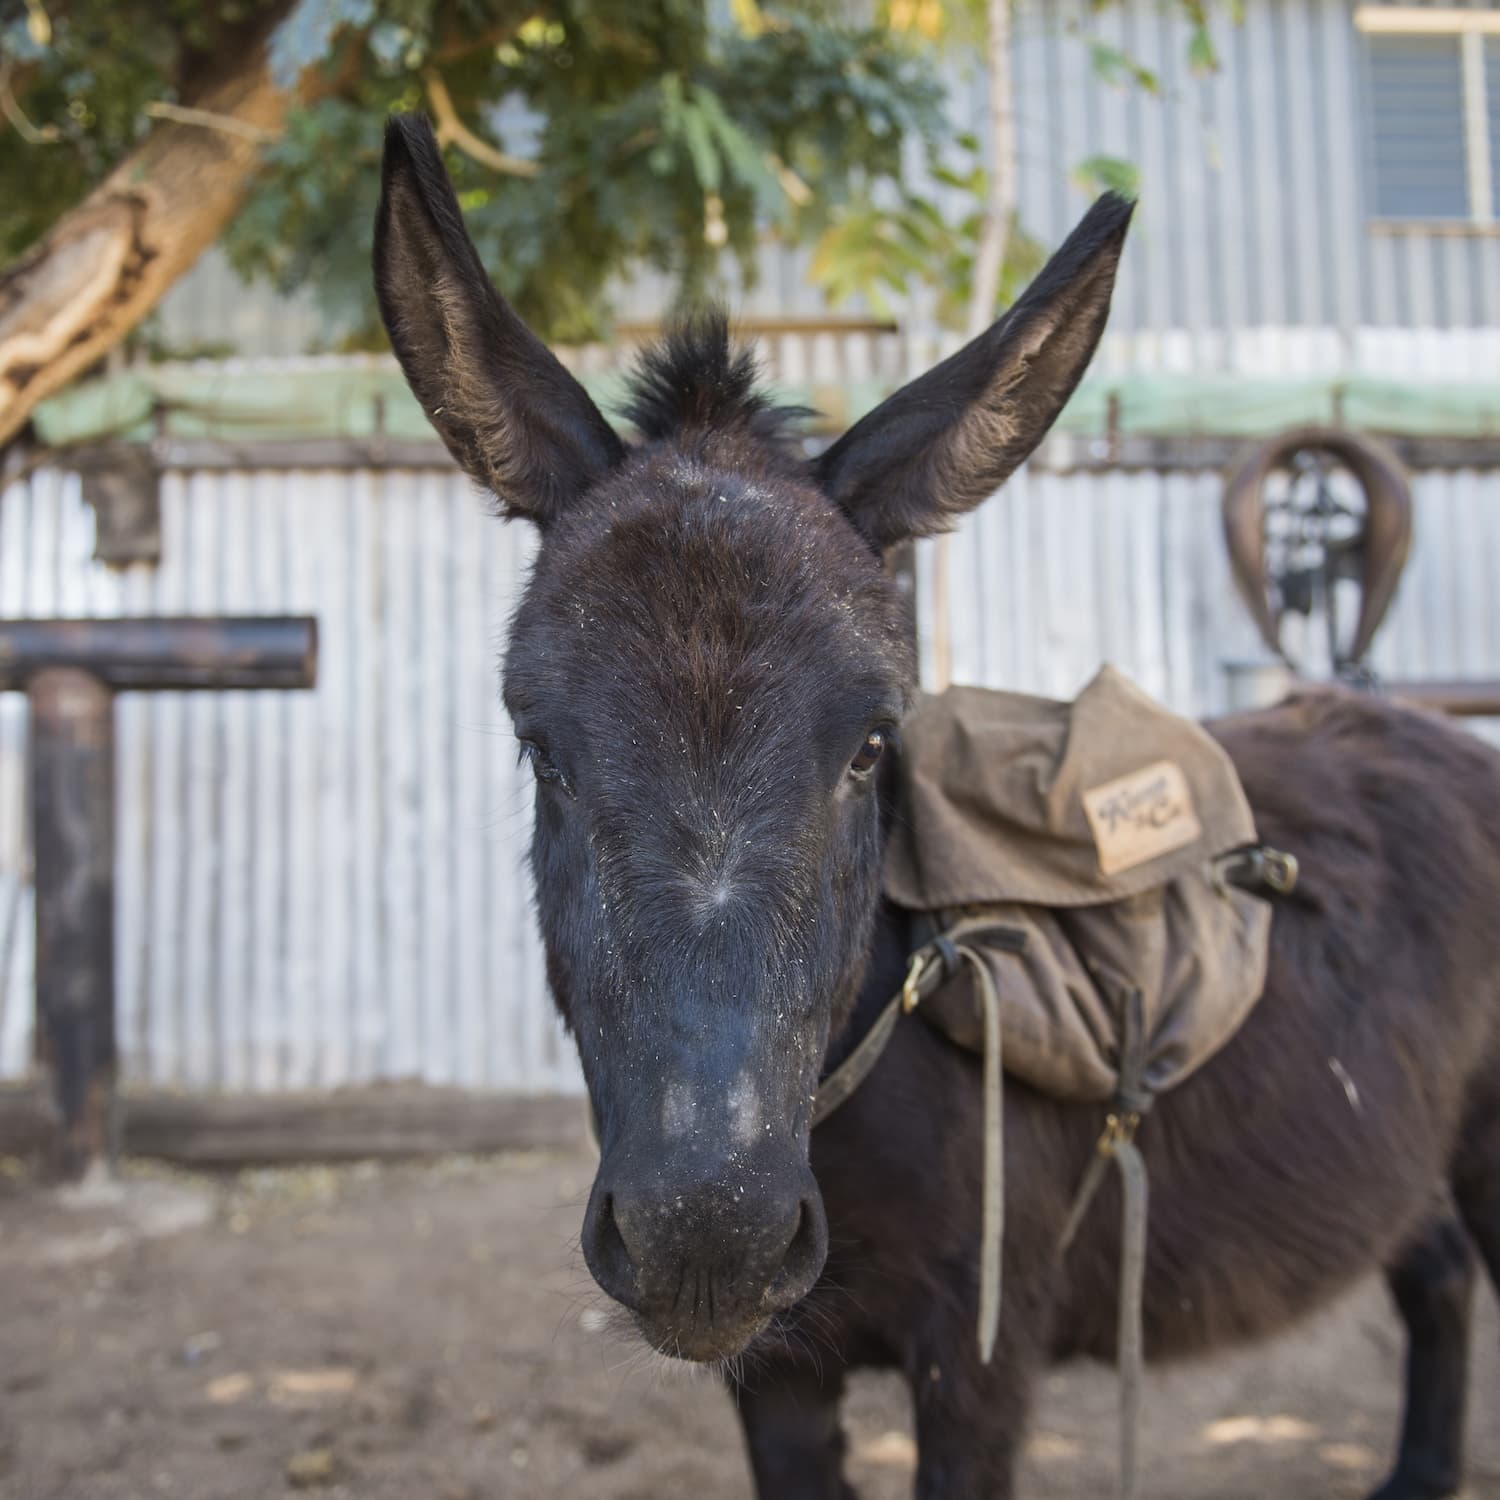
(1069, 452)
(1411, 20)
(1479, 699)
(301, 453)
(1062, 452)
(757, 327)
(184, 653)
(381, 1121)
(1437, 228)
(280, 454)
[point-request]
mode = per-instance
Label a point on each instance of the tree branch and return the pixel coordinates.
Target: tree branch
(10, 106)
(452, 131)
(106, 263)
(160, 109)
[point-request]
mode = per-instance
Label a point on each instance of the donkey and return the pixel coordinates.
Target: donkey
(708, 673)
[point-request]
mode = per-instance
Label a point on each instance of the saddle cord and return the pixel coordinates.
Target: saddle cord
(939, 960)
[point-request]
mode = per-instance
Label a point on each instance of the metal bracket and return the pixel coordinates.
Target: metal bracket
(122, 483)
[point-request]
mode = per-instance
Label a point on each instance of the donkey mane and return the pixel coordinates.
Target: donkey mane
(694, 381)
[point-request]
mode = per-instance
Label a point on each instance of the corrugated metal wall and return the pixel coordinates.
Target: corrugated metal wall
(1062, 571)
(1256, 209)
(327, 887)
(313, 887)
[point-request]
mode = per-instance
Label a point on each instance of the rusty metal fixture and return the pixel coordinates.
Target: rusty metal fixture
(70, 671)
(148, 654)
(1288, 552)
(121, 483)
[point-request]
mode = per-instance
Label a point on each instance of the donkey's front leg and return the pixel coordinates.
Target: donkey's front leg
(971, 1421)
(790, 1414)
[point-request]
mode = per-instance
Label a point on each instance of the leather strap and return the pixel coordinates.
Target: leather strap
(931, 966)
(934, 964)
(1117, 1145)
(855, 1068)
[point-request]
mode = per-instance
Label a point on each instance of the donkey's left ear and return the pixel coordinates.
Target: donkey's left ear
(948, 440)
(509, 412)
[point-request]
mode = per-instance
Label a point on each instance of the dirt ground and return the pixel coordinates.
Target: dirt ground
(427, 1333)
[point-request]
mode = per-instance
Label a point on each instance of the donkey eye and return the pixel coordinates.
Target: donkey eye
(869, 753)
(542, 765)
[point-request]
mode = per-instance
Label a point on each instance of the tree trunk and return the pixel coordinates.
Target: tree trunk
(108, 262)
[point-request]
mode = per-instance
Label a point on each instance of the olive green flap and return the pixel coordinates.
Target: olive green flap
(1014, 806)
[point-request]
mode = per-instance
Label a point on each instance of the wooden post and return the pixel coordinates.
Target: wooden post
(70, 770)
(70, 671)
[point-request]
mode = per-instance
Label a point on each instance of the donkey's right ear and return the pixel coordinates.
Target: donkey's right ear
(515, 419)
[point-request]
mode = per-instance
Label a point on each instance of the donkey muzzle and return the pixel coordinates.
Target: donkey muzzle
(705, 1251)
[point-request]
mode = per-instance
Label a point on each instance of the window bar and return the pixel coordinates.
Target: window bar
(1477, 128)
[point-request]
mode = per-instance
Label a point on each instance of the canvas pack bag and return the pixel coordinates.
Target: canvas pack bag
(1085, 846)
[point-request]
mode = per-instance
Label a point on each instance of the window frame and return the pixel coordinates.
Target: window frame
(1470, 27)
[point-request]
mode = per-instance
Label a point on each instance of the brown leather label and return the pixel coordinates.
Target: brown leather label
(1141, 816)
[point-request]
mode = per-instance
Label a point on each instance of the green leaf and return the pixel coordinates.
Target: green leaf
(1120, 70)
(745, 156)
(700, 147)
(1108, 173)
(1202, 55)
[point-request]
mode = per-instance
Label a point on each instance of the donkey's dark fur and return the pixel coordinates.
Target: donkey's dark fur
(706, 667)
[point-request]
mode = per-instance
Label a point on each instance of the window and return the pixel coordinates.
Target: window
(1434, 105)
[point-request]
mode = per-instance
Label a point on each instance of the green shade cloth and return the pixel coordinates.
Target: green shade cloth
(356, 400)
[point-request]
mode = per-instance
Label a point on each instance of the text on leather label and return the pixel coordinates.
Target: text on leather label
(1141, 816)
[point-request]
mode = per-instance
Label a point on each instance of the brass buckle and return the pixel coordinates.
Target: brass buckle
(1281, 870)
(1119, 1130)
(911, 991)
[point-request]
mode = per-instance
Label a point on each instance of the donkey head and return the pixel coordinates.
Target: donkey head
(706, 669)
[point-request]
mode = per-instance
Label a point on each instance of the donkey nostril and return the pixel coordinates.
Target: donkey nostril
(803, 1261)
(607, 1255)
(801, 1248)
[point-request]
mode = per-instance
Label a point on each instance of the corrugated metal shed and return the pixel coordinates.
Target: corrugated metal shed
(328, 887)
